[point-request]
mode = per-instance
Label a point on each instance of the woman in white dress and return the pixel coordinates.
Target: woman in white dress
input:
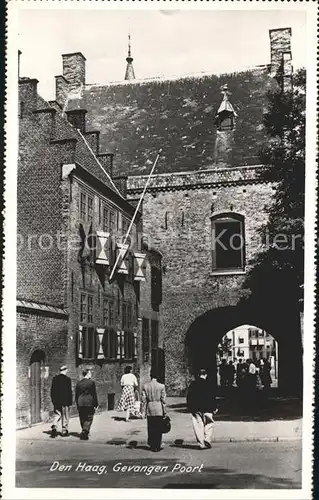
(127, 399)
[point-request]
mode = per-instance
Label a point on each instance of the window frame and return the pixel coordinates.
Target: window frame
(146, 344)
(86, 206)
(227, 217)
(89, 341)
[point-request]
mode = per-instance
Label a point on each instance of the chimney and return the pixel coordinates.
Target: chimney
(19, 56)
(286, 72)
(121, 184)
(28, 94)
(46, 119)
(106, 160)
(61, 90)
(74, 69)
(93, 139)
(56, 106)
(77, 118)
(280, 43)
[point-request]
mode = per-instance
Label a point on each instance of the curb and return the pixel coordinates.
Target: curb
(172, 444)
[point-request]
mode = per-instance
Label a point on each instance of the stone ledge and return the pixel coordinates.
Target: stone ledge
(197, 179)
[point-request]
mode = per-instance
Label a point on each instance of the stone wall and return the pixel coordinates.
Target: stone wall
(176, 213)
(47, 332)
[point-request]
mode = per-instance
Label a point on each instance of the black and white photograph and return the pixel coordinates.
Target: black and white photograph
(159, 250)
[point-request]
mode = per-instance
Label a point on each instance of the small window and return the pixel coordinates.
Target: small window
(127, 316)
(83, 308)
(112, 222)
(240, 340)
(105, 219)
(86, 308)
(90, 308)
(109, 312)
(228, 242)
(108, 219)
(226, 122)
(86, 207)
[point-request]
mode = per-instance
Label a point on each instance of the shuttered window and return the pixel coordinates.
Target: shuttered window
(146, 339)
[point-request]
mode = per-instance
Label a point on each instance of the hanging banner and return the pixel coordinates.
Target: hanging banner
(122, 250)
(99, 340)
(80, 342)
(85, 231)
(139, 266)
(102, 257)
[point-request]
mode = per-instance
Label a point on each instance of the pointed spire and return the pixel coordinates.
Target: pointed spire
(129, 73)
(226, 104)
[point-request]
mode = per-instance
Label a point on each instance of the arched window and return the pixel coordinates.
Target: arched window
(228, 242)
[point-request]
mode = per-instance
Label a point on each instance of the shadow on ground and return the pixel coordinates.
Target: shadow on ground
(235, 406)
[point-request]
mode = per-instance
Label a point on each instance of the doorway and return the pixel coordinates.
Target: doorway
(36, 382)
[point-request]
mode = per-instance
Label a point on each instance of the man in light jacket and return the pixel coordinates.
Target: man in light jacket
(86, 401)
(154, 404)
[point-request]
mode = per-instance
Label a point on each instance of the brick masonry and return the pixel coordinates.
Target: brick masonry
(48, 267)
(38, 331)
(176, 214)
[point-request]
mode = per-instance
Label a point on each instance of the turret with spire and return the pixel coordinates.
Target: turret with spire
(129, 73)
(225, 123)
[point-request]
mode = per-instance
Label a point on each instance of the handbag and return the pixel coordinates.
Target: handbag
(166, 424)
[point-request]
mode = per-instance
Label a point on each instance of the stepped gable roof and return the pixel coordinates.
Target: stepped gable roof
(83, 156)
(137, 118)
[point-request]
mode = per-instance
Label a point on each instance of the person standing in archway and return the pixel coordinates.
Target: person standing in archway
(223, 374)
(61, 396)
(201, 403)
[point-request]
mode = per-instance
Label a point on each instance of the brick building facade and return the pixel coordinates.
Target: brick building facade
(72, 218)
(207, 181)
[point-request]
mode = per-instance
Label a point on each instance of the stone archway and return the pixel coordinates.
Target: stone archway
(207, 330)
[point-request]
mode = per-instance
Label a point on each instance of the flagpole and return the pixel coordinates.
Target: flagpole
(136, 211)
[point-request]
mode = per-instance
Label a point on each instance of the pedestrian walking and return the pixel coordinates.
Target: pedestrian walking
(154, 405)
(240, 371)
(230, 374)
(223, 373)
(127, 399)
(252, 375)
(86, 401)
(201, 403)
(265, 375)
(61, 397)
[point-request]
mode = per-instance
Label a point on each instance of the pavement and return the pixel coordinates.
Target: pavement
(110, 427)
(244, 454)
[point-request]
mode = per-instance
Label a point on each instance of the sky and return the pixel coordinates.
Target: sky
(164, 42)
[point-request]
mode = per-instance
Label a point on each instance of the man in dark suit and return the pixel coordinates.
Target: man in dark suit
(61, 396)
(201, 404)
(86, 401)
